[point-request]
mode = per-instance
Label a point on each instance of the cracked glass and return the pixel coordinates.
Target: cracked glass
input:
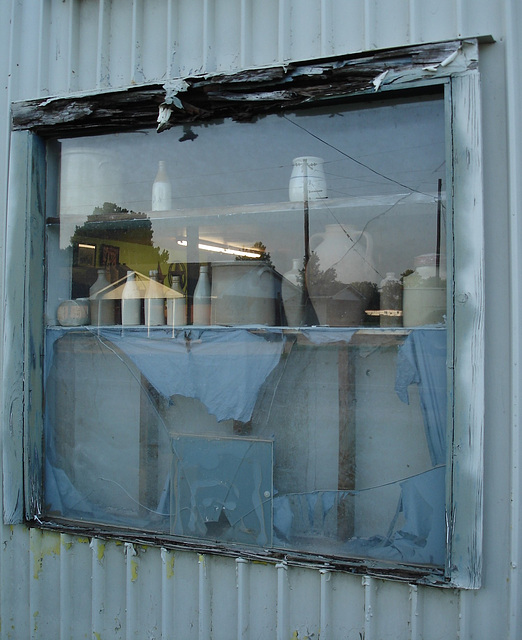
(246, 333)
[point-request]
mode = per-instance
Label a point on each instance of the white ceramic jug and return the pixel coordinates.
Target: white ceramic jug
(243, 292)
(307, 181)
(348, 251)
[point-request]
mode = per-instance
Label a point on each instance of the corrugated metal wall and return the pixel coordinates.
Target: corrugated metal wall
(59, 586)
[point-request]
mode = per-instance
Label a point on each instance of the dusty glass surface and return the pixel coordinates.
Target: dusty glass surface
(246, 332)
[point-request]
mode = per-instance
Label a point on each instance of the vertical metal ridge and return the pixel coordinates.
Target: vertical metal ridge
(136, 70)
(283, 35)
(73, 52)
(368, 24)
(102, 45)
(242, 568)
(414, 36)
(414, 613)
(246, 34)
(42, 80)
(282, 601)
(463, 617)
(98, 586)
(208, 35)
(172, 31)
(325, 620)
(204, 618)
(167, 591)
(369, 607)
(326, 25)
(66, 623)
(514, 119)
(459, 17)
(131, 591)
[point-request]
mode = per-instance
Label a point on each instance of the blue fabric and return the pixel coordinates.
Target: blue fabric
(422, 361)
(224, 369)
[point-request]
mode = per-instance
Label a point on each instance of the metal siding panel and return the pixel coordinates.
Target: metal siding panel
(392, 611)
(153, 48)
(190, 30)
(388, 23)
(54, 48)
(122, 42)
(186, 597)
(261, 601)
(264, 33)
(85, 33)
(439, 610)
(15, 578)
(113, 577)
(25, 51)
(224, 595)
(227, 35)
(303, 602)
(75, 588)
(347, 26)
(346, 607)
(44, 584)
(433, 19)
(514, 111)
(103, 44)
(304, 29)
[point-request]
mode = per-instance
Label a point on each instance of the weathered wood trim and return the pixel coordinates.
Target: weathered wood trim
(23, 304)
(13, 304)
(245, 94)
(466, 453)
(34, 327)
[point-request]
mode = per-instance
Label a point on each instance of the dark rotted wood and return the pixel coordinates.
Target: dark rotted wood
(242, 95)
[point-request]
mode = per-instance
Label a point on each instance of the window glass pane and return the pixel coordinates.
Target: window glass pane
(246, 332)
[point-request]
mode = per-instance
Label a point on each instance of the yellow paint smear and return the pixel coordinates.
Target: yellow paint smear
(169, 565)
(134, 570)
(43, 544)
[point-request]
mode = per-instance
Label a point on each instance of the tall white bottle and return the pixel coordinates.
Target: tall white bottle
(176, 307)
(201, 300)
(130, 302)
(102, 309)
(154, 302)
(161, 189)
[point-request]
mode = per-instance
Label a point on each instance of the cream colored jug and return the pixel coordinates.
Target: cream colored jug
(348, 251)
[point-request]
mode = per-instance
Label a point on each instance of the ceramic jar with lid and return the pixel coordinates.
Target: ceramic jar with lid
(424, 293)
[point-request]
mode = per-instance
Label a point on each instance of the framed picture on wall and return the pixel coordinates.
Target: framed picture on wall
(110, 256)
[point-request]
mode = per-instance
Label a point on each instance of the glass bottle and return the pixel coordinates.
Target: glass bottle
(176, 307)
(131, 301)
(102, 308)
(154, 302)
(201, 306)
(161, 189)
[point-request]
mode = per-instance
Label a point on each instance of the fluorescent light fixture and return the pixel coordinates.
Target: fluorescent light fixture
(244, 253)
(86, 246)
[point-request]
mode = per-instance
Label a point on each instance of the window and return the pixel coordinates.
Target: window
(251, 329)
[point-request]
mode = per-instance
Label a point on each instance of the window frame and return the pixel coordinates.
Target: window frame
(450, 67)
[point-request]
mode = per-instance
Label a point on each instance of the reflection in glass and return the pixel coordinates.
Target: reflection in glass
(306, 409)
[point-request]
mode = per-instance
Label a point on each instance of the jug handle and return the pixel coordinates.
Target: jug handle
(312, 241)
(263, 270)
(369, 243)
